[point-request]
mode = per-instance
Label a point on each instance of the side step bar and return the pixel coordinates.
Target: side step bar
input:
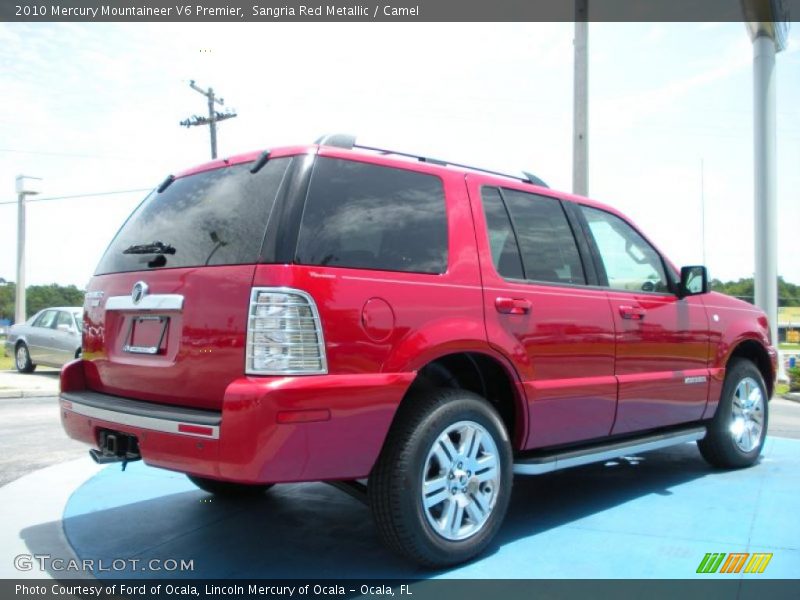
(584, 456)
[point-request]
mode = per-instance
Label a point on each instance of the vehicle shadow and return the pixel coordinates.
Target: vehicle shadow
(312, 530)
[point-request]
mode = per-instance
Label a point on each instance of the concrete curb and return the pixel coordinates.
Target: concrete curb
(31, 385)
(27, 393)
(793, 396)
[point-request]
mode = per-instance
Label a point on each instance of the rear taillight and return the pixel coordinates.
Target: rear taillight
(284, 334)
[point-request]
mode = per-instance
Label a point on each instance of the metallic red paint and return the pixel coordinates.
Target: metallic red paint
(580, 368)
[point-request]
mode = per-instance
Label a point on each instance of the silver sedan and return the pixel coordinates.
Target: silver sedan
(51, 337)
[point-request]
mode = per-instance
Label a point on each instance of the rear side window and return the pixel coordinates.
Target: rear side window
(543, 235)
(372, 217)
(64, 318)
(216, 217)
(503, 241)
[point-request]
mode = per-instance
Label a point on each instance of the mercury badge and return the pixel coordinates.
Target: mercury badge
(139, 291)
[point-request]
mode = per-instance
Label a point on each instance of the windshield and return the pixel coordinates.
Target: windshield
(215, 217)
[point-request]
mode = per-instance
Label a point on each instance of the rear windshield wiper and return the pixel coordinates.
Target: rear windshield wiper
(154, 248)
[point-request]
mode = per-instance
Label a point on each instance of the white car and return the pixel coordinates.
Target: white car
(51, 337)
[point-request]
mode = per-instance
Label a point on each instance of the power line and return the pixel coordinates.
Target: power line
(90, 195)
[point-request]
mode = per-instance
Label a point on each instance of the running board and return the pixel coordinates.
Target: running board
(574, 458)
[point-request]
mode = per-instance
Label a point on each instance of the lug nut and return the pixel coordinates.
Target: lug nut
(451, 476)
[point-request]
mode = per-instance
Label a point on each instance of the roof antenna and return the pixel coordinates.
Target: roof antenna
(339, 140)
(534, 179)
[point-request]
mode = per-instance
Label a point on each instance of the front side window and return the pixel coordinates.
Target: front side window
(543, 234)
(46, 319)
(367, 216)
(631, 263)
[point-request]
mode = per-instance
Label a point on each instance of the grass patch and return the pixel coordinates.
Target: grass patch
(6, 362)
(781, 388)
(784, 346)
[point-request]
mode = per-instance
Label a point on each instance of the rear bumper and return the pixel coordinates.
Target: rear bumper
(270, 429)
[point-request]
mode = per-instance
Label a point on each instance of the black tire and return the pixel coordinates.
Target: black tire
(723, 447)
(395, 487)
(22, 359)
(229, 489)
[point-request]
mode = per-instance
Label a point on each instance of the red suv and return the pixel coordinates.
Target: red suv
(407, 329)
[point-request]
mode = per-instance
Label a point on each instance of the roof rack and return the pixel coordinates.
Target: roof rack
(348, 142)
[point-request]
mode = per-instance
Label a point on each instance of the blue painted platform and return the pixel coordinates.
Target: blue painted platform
(650, 516)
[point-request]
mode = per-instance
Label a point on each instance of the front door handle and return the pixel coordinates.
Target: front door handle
(512, 306)
(634, 313)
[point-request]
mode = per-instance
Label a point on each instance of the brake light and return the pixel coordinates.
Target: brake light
(284, 334)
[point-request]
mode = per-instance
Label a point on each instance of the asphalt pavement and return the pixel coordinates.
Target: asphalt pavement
(30, 428)
(31, 437)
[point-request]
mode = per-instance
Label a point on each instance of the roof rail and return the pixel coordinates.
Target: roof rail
(349, 142)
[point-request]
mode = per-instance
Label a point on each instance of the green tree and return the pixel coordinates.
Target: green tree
(788, 293)
(7, 294)
(38, 297)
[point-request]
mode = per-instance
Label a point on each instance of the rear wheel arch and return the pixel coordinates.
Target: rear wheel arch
(484, 374)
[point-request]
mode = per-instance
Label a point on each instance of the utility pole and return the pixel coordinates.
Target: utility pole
(768, 29)
(580, 111)
(213, 115)
(26, 186)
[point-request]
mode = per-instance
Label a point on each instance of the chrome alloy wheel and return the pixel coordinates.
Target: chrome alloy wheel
(22, 357)
(747, 415)
(460, 480)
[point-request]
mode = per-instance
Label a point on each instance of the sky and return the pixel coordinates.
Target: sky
(94, 108)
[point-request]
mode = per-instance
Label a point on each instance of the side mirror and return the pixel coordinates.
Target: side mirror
(694, 281)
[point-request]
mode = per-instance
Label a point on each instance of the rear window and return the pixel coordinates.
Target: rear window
(216, 217)
(372, 217)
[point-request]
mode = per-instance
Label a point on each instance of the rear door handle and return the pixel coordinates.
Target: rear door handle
(512, 306)
(634, 313)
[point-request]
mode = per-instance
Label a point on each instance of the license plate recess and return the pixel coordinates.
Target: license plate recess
(146, 334)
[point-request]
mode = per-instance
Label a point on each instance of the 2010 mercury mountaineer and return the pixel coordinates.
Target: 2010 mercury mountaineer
(340, 313)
